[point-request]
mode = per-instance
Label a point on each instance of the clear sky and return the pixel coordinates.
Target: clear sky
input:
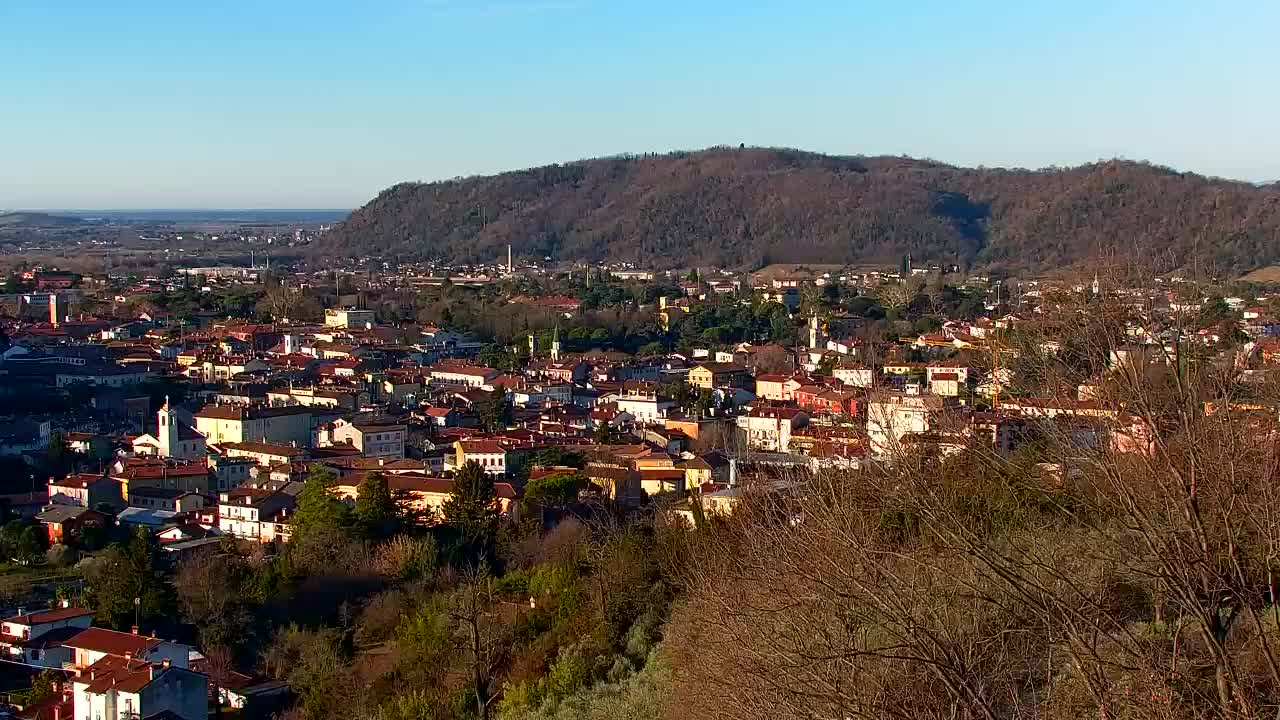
(278, 103)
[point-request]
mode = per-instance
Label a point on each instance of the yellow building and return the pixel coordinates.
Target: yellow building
(709, 376)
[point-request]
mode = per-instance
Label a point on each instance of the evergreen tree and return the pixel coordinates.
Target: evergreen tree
(23, 542)
(317, 507)
(125, 583)
(495, 410)
(472, 507)
(375, 509)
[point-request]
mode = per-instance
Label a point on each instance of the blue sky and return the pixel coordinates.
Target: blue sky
(276, 103)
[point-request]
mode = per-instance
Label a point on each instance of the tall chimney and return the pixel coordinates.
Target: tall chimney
(53, 309)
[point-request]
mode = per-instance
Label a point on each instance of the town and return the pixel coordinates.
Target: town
(167, 420)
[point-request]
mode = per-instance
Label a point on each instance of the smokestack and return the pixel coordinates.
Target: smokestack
(509, 266)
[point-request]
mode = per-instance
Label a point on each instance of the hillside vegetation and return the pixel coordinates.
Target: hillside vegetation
(748, 207)
(36, 219)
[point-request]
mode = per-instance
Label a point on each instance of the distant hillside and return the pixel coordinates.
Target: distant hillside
(36, 219)
(749, 207)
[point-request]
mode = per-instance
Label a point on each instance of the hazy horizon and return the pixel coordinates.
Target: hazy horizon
(324, 104)
(211, 209)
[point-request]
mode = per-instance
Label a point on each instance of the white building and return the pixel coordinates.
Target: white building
(645, 407)
(36, 638)
(373, 438)
(466, 375)
(770, 428)
(855, 375)
(126, 688)
(348, 318)
(252, 513)
(892, 415)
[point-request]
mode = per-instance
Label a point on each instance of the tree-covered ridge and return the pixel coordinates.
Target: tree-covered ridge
(747, 207)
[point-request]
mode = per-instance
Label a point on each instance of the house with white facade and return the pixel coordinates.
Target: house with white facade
(644, 406)
(253, 513)
(770, 428)
(36, 638)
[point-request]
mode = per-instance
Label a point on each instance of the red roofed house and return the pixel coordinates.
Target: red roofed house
(86, 490)
(772, 386)
(495, 456)
(821, 399)
(946, 384)
(64, 522)
(555, 302)
(36, 638)
(429, 493)
(769, 428)
(122, 687)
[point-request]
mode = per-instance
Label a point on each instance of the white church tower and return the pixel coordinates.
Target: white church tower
(167, 430)
(175, 438)
(555, 344)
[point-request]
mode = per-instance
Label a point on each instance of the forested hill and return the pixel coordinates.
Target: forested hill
(747, 207)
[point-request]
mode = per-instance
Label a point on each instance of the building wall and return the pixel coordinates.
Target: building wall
(283, 429)
(185, 694)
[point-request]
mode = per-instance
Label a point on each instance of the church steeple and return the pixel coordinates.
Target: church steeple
(555, 344)
(167, 430)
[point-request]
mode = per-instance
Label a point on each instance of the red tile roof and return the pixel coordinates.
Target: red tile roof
(111, 642)
(118, 673)
(49, 616)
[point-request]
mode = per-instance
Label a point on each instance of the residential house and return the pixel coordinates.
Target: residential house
(769, 428)
(127, 688)
(264, 454)
(646, 406)
(224, 368)
(772, 386)
(159, 472)
(86, 490)
(496, 456)
(375, 437)
(822, 399)
(167, 499)
(253, 513)
(712, 467)
(946, 384)
(93, 644)
(65, 523)
(428, 494)
(325, 397)
(229, 423)
(348, 318)
(616, 480)
(891, 416)
(855, 375)
(230, 472)
(35, 639)
(709, 376)
(449, 373)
